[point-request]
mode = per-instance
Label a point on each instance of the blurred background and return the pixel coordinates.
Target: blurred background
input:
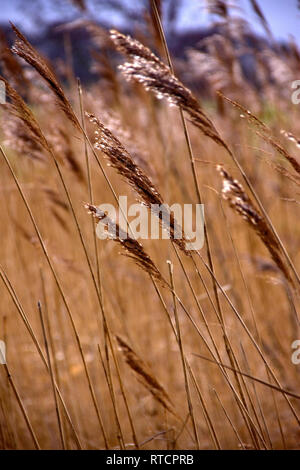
(53, 25)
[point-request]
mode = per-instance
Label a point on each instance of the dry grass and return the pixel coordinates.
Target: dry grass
(108, 351)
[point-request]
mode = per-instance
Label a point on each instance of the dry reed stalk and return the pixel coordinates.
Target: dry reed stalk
(240, 402)
(22, 111)
(50, 332)
(106, 368)
(57, 410)
(30, 121)
(18, 109)
(18, 137)
(24, 49)
(121, 160)
(12, 69)
(230, 351)
(251, 337)
(156, 76)
(29, 328)
(145, 376)
(244, 412)
(257, 397)
(254, 322)
(133, 249)
(61, 291)
(109, 383)
(255, 379)
(130, 139)
(147, 69)
(291, 137)
(90, 187)
(265, 132)
(234, 193)
(205, 411)
(201, 311)
(155, 6)
(229, 420)
(182, 355)
(281, 150)
(256, 329)
(197, 188)
(284, 171)
(20, 403)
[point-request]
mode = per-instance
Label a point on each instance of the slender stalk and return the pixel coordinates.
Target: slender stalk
(257, 347)
(205, 410)
(20, 402)
(113, 400)
(59, 421)
(189, 147)
(28, 326)
(90, 188)
(229, 420)
(58, 284)
(238, 400)
(184, 367)
(228, 347)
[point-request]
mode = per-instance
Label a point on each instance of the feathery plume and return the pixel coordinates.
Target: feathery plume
(264, 132)
(234, 193)
(246, 114)
(147, 69)
(133, 249)
(145, 375)
(18, 138)
(133, 48)
(122, 161)
(26, 51)
(131, 140)
(291, 137)
(281, 150)
(28, 131)
(12, 69)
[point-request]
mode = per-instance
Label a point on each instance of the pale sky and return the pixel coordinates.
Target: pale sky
(282, 15)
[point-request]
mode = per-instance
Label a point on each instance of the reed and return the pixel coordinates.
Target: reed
(121, 353)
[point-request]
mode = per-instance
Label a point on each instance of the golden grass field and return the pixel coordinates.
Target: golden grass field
(124, 347)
